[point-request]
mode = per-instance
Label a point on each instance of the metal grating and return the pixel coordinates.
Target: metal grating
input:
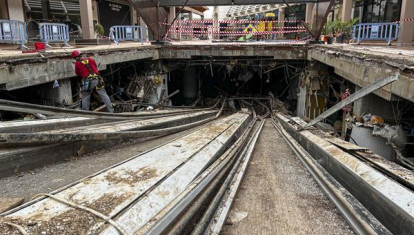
(236, 11)
(55, 6)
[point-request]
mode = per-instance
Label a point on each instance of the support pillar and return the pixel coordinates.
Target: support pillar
(95, 11)
(134, 16)
(309, 12)
(88, 31)
(346, 10)
(375, 105)
(45, 10)
(405, 37)
(190, 18)
(281, 18)
(179, 34)
(171, 16)
(203, 29)
(61, 94)
(216, 25)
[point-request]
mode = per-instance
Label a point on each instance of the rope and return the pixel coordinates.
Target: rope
(20, 228)
(92, 211)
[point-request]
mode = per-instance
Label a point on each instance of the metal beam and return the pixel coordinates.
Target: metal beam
(152, 15)
(190, 9)
(13, 106)
(352, 98)
(170, 3)
(298, 17)
(320, 15)
(120, 130)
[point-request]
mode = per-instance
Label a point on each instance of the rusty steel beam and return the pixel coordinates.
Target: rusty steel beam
(352, 98)
(152, 15)
(14, 106)
(113, 131)
(320, 15)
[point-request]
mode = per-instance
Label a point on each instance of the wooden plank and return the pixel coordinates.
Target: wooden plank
(345, 145)
(7, 203)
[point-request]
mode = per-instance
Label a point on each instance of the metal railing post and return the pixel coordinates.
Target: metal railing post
(53, 32)
(359, 34)
(119, 33)
(14, 32)
(141, 35)
(376, 31)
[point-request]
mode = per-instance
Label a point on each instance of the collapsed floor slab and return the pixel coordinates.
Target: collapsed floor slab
(130, 182)
(389, 201)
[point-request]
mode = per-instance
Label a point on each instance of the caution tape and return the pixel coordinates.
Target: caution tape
(300, 41)
(230, 27)
(404, 20)
(233, 21)
(235, 33)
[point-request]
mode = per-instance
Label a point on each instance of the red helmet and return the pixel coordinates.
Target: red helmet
(75, 54)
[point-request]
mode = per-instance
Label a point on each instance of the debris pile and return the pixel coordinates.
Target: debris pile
(393, 133)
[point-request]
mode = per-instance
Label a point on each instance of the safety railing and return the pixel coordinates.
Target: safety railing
(53, 32)
(375, 31)
(121, 33)
(13, 31)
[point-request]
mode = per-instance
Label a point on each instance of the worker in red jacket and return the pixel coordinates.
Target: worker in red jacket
(91, 81)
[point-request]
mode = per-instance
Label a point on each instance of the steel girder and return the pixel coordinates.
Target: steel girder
(165, 3)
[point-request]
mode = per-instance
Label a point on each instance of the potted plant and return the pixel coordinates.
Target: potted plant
(348, 26)
(99, 30)
(343, 29)
(327, 32)
(338, 28)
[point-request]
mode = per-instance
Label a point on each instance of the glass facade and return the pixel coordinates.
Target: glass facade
(375, 11)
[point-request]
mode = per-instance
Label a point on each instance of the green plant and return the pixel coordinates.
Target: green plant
(349, 25)
(338, 28)
(99, 29)
(327, 28)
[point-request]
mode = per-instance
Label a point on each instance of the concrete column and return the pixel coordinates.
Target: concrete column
(281, 18)
(405, 38)
(134, 16)
(64, 93)
(171, 16)
(179, 35)
(190, 18)
(45, 9)
(309, 12)
(215, 24)
(3, 10)
(95, 11)
(375, 105)
(15, 10)
(88, 31)
(346, 10)
(61, 94)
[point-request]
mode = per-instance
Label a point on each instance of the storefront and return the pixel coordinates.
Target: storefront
(68, 12)
(373, 11)
(120, 14)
